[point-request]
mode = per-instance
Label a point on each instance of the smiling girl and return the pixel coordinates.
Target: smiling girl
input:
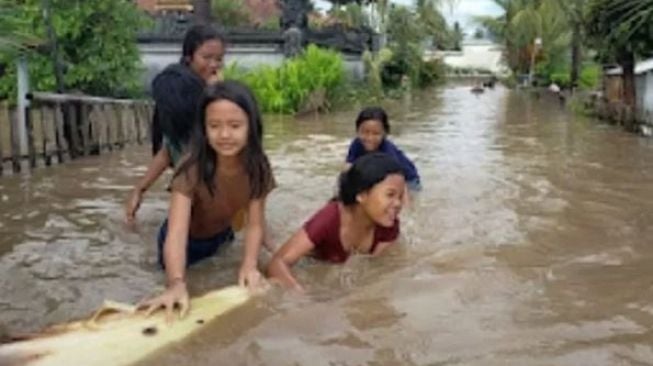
(226, 171)
(176, 92)
(372, 129)
(364, 218)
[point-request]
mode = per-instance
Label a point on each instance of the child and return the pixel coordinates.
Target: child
(362, 219)
(176, 92)
(226, 171)
(372, 127)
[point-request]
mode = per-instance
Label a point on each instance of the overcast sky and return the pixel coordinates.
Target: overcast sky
(463, 11)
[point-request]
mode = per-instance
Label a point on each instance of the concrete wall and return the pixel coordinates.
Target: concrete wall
(156, 56)
(644, 85)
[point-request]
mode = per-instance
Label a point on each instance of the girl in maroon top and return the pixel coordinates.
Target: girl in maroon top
(364, 218)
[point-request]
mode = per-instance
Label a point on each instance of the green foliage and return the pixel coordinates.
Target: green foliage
(457, 36)
(406, 35)
(509, 81)
(97, 45)
(283, 89)
(521, 23)
(271, 23)
(229, 12)
(352, 93)
(434, 25)
(351, 15)
(431, 72)
(621, 27)
(561, 78)
(14, 31)
(374, 64)
(590, 76)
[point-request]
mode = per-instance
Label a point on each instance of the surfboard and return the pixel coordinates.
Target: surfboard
(118, 334)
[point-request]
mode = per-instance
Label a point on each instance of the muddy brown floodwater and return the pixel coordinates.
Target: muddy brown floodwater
(531, 244)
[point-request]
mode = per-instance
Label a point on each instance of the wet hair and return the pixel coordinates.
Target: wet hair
(195, 38)
(256, 163)
(365, 173)
(375, 113)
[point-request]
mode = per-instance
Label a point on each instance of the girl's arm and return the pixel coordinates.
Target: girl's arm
(174, 250)
(254, 235)
(298, 246)
(381, 247)
(158, 165)
(174, 257)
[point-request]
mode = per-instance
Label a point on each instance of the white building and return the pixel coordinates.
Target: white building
(480, 54)
(643, 84)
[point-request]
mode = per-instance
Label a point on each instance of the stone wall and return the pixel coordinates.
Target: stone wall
(156, 56)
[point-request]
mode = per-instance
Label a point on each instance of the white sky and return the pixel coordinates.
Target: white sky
(463, 11)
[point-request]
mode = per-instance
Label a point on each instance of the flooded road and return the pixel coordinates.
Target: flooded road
(531, 244)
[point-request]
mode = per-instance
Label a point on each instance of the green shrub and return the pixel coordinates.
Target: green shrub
(561, 78)
(284, 89)
(431, 72)
(590, 76)
(509, 81)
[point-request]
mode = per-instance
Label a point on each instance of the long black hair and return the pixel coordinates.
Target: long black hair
(195, 38)
(177, 90)
(375, 113)
(365, 173)
(253, 158)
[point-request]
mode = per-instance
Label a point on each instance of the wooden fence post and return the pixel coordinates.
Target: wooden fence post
(119, 135)
(16, 155)
(84, 113)
(136, 121)
(62, 144)
(76, 148)
(94, 125)
(29, 127)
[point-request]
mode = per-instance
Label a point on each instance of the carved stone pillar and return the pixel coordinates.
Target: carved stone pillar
(294, 23)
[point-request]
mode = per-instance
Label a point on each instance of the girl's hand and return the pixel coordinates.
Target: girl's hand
(175, 294)
(133, 203)
(250, 277)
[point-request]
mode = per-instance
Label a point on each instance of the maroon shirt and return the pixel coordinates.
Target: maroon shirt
(323, 230)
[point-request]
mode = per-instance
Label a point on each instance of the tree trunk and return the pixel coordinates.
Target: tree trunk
(202, 11)
(575, 55)
(54, 48)
(627, 62)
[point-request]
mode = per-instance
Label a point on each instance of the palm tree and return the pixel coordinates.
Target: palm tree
(633, 14)
(556, 36)
(521, 23)
(620, 30)
(575, 11)
(517, 27)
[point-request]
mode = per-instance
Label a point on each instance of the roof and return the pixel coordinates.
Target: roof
(641, 67)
